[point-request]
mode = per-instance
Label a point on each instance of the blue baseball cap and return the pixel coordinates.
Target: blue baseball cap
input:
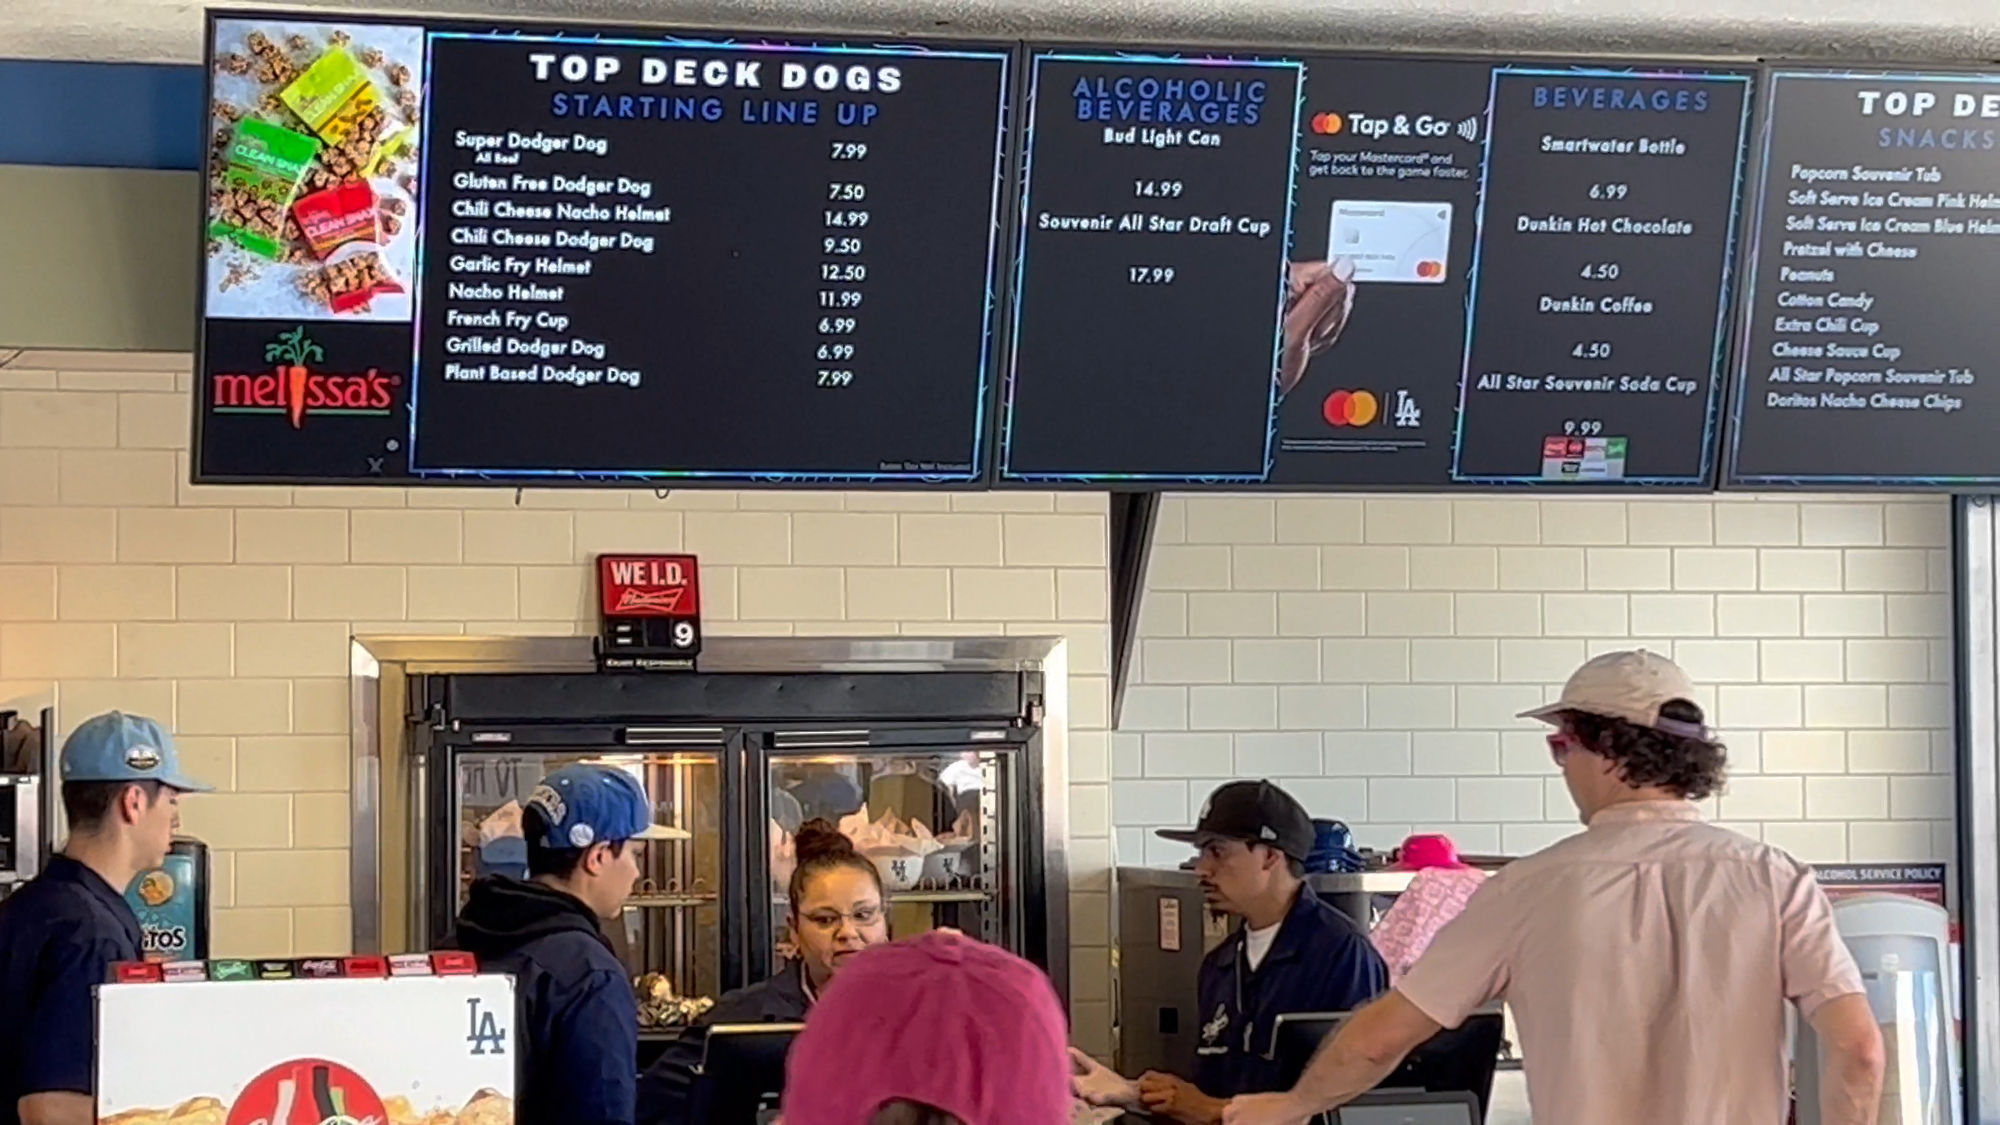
(115, 746)
(589, 804)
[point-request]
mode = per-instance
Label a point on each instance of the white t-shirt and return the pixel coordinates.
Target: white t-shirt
(1256, 943)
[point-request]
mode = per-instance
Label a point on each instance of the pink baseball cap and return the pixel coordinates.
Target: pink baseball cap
(940, 1020)
(1422, 852)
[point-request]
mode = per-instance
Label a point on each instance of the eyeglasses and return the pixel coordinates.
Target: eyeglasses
(862, 917)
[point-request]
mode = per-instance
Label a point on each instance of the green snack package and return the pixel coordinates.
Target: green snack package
(266, 165)
(331, 96)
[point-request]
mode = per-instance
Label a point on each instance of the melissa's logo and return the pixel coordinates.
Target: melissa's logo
(292, 388)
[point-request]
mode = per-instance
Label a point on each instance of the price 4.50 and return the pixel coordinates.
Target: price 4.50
(1150, 275)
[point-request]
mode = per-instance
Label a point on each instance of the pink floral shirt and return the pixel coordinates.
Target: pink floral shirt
(1435, 896)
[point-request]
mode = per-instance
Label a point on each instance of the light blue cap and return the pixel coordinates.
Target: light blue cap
(115, 746)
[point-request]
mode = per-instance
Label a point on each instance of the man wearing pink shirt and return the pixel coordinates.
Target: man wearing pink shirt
(1648, 960)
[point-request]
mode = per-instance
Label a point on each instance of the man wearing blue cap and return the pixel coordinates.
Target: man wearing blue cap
(60, 934)
(579, 1018)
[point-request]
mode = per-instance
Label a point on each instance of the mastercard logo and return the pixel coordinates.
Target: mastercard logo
(1327, 124)
(1430, 269)
(1350, 408)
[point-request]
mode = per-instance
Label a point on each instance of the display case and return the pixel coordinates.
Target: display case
(944, 764)
(672, 924)
(941, 823)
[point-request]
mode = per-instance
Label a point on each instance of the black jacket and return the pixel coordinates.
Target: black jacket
(1320, 961)
(579, 1019)
(666, 1090)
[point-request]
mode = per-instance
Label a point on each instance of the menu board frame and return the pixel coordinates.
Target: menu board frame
(1723, 364)
(999, 278)
(1764, 124)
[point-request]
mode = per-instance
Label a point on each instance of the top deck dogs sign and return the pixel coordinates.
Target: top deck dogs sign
(740, 74)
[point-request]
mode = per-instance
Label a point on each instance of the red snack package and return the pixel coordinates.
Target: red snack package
(351, 281)
(337, 216)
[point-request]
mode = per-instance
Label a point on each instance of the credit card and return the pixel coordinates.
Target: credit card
(1395, 241)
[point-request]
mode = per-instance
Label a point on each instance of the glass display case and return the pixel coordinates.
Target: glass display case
(935, 821)
(948, 780)
(671, 929)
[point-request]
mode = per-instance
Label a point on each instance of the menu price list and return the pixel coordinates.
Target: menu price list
(1867, 333)
(1152, 268)
(706, 260)
(1598, 321)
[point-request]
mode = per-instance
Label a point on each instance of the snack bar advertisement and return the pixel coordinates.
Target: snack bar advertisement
(1388, 272)
(400, 1051)
(464, 253)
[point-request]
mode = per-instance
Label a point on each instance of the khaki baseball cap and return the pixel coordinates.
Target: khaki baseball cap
(1631, 686)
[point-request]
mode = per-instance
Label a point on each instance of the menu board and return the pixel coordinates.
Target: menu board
(465, 253)
(1329, 272)
(1866, 335)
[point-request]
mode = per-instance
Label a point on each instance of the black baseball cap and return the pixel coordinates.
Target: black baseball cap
(1255, 812)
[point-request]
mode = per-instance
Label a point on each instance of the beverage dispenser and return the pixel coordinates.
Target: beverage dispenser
(1902, 947)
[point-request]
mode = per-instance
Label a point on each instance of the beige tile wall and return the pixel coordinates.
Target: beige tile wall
(227, 612)
(1371, 653)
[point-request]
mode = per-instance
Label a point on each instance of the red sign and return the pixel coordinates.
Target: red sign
(322, 1089)
(648, 585)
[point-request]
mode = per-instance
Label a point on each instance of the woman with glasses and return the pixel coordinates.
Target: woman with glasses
(838, 909)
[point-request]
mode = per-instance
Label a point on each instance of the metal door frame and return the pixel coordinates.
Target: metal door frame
(1976, 728)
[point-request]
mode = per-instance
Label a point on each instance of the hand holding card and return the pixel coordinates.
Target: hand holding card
(1318, 298)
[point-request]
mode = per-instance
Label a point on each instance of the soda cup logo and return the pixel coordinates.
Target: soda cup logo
(293, 389)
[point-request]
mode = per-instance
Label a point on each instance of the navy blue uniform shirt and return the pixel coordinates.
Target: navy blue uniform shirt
(666, 1090)
(59, 937)
(1320, 961)
(579, 1018)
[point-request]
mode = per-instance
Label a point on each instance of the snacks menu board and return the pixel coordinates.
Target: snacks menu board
(1865, 335)
(467, 253)
(1488, 275)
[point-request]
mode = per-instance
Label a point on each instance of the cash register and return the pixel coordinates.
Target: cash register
(1448, 1080)
(742, 1073)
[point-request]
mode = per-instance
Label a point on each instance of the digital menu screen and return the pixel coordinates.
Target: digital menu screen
(1865, 333)
(462, 253)
(1489, 275)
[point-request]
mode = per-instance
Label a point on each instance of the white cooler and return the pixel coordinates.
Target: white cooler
(1902, 945)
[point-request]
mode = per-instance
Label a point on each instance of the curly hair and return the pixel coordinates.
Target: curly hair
(1688, 767)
